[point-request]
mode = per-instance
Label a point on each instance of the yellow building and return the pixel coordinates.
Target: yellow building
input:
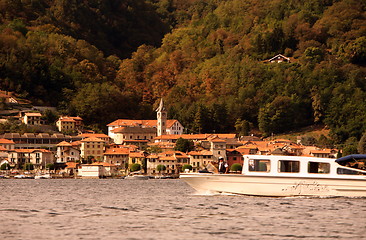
(137, 157)
(68, 123)
(92, 147)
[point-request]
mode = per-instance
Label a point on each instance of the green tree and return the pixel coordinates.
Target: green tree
(184, 145)
(28, 166)
(50, 166)
(154, 149)
(242, 127)
(5, 166)
(160, 168)
(135, 167)
(236, 167)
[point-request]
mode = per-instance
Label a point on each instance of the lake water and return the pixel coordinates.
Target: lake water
(166, 209)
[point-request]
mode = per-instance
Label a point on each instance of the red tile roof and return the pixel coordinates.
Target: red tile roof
(92, 139)
(136, 123)
(116, 151)
(6, 141)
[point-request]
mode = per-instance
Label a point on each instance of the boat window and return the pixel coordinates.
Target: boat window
(289, 166)
(344, 171)
(259, 165)
(318, 167)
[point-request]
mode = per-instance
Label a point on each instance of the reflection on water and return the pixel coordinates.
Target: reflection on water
(166, 209)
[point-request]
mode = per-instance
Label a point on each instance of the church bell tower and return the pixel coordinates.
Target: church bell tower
(162, 118)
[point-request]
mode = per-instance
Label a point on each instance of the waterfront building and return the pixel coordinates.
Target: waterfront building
(200, 159)
(38, 157)
(117, 156)
(234, 156)
(92, 148)
(67, 152)
(218, 148)
(172, 160)
(137, 157)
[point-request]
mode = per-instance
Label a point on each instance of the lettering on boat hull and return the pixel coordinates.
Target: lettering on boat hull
(304, 187)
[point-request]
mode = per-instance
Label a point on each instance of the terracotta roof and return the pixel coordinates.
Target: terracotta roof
(64, 144)
(170, 158)
(116, 151)
(92, 139)
(137, 154)
(71, 165)
(76, 143)
(243, 151)
(30, 150)
(137, 123)
(200, 153)
(3, 149)
(6, 141)
(136, 140)
(104, 164)
(29, 114)
(93, 135)
(134, 130)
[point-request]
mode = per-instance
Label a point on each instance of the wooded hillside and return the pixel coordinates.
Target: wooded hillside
(114, 59)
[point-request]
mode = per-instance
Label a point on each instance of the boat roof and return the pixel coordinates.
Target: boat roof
(351, 157)
(298, 158)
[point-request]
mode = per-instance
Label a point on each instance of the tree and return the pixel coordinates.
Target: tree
(236, 167)
(242, 127)
(50, 166)
(361, 147)
(184, 145)
(160, 168)
(154, 149)
(5, 166)
(135, 167)
(28, 166)
(186, 166)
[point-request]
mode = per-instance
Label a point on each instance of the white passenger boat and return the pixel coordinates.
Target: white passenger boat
(267, 175)
(43, 176)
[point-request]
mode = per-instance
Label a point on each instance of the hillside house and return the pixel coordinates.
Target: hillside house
(66, 123)
(32, 118)
(279, 58)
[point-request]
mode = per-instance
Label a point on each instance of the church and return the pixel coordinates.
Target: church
(123, 130)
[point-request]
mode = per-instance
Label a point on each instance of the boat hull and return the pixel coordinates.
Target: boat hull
(278, 186)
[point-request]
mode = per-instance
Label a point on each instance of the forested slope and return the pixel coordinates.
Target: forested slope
(209, 66)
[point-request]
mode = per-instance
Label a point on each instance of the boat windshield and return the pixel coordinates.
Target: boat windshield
(353, 161)
(345, 171)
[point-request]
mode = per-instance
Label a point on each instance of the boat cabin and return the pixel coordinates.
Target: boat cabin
(269, 165)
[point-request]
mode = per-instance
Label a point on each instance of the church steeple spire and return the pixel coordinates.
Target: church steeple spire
(162, 118)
